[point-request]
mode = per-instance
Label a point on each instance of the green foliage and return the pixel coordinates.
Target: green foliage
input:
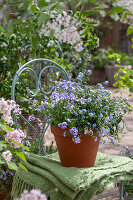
(115, 58)
(100, 58)
(124, 79)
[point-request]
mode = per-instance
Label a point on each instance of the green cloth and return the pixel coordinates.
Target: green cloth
(47, 174)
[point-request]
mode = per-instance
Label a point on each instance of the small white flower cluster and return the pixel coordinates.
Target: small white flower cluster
(127, 4)
(64, 28)
(3, 44)
(33, 194)
(4, 58)
(5, 109)
(7, 155)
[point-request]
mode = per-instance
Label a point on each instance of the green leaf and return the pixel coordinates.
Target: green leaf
(1, 29)
(5, 127)
(2, 145)
(82, 2)
(10, 29)
(102, 6)
(32, 8)
(35, 40)
(1, 161)
(102, 13)
(89, 12)
(118, 9)
(42, 3)
(24, 147)
(129, 30)
(43, 18)
(22, 166)
(131, 89)
(12, 165)
(114, 15)
(92, 1)
(20, 155)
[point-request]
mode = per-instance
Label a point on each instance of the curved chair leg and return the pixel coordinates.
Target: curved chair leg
(121, 191)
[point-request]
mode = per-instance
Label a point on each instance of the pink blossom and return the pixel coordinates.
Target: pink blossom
(15, 136)
(33, 194)
(7, 155)
(6, 106)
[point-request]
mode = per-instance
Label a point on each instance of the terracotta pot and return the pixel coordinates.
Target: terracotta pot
(97, 76)
(79, 155)
(2, 195)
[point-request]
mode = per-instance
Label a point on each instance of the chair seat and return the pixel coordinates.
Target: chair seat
(47, 174)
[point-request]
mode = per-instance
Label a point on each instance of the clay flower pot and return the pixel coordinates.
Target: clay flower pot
(79, 155)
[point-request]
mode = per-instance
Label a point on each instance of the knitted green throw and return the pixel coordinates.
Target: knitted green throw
(47, 174)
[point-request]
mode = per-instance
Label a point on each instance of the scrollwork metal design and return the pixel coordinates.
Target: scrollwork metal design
(38, 88)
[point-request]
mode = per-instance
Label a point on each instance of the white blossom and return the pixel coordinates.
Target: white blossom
(65, 29)
(7, 155)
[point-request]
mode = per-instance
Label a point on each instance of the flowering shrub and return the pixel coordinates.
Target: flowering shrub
(33, 194)
(69, 38)
(10, 138)
(65, 29)
(84, 109)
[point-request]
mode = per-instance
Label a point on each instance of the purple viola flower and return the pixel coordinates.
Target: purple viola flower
(34, 102)
(70, 106)
(84, 110)
(31, 118)
(72, 88)
(111, 116)
(63, 125)
(89, 99)
(62, 96)
(76, 140)
(80, 112)
(47, 119)
(82, 100)
(91, 114)
(89, 72)
(101, 115)
(39, 108)
(74, 131)
(40, 125)
(55, 95)
(62, 83)
(80, 76)
(65, 87)
(106, 82)
(29, 100)
(72, 97)
(94, 125)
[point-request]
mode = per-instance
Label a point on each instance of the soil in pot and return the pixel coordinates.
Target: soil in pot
(79, 155)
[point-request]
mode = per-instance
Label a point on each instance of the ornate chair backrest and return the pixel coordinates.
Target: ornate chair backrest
(39, 68)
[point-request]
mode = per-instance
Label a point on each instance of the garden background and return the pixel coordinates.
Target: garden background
(104, 45)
